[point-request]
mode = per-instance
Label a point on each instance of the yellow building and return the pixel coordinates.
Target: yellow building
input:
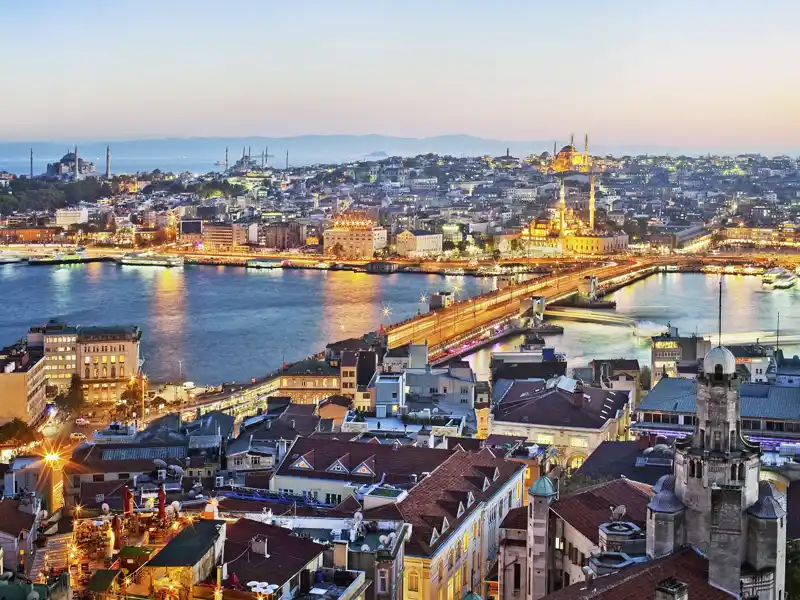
(309, 381)
(22, 384)
(597, 243)
(568, 159)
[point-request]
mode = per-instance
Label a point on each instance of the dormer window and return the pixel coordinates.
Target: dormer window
(496, 475)
(303, 464)
(337, 467)
(486, 483)
(470, 499)
(445, 525)
(434, 536)
(460, 510)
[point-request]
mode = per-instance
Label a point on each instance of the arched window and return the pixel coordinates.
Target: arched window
(450, 559)
(691, 468)
(741, 472)
(734, 472)
(699, 469)
(413, 581)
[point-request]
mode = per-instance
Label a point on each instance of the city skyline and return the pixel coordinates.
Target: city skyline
(676, 76)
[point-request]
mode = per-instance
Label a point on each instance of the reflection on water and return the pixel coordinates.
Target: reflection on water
(686, 301)
(231, 324)
(223, 323)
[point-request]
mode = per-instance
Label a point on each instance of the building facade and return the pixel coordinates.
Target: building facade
(107, 358)
(354, 235)
(418, 243)
(22, 384)
(222, 236)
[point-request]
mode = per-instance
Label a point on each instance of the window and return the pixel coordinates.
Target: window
(98, 478)
(544, 438)
(413, 581)
(517, 576)
(255, 460)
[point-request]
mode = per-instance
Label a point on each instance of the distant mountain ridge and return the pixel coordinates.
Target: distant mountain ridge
(309, 149)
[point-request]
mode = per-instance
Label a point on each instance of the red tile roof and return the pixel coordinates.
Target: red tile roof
(639, 582)
(397, 463)
(437, 496)
(12, 520)
(288, 554)
(517, 518)
(587, 509)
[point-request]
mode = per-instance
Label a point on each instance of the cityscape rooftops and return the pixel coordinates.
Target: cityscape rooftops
(626, 459)
(190, 545)
(311, 366)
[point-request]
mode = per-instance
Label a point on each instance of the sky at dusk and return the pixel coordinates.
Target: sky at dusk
(683, 73)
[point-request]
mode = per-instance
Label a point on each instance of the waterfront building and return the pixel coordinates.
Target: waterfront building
(59, 343)
(107, 359)
(309, 381)
(354, 235)
(35, 235)
(66, 217)
(224, 236)
(562, 413)
(597, 243)
(670, 349)
(416, 244)
(22, 384)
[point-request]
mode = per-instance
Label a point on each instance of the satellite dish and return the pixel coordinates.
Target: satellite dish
(383, 540)
(176, 506)
(365, 548)
(358, 517)
(160, 463)
(34, 595)
(618, 512)
(105, 508)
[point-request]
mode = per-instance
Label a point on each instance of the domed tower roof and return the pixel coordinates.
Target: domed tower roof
(470, 595)
(543, 486)
(766, 508)
(665, 502)
(719, 357)
(665, 482)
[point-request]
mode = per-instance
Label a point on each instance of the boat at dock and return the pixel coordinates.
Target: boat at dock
(785, 281)
(65, 257)
(263, 263)
(148, 259)
(771, 275)
(10, 259)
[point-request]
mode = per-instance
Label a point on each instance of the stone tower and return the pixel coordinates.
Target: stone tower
(541, 495)
(713, 501)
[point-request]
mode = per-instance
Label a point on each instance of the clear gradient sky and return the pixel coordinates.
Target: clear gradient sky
(678, 73)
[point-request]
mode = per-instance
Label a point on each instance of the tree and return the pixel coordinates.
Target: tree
(447, 245)
(793, 569)
(496, 254)
(337, 250)
(645, 377)
(73, 400)
(18, 431)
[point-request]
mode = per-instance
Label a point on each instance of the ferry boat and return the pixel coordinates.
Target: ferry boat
(454, 272)
(322, 265)
(65, 257)
(785, 280)
(147, 259)
(770, 276)
(10, 259)
(263, 263)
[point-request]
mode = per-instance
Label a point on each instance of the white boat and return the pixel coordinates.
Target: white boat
(10, 259)
(454, 272)
(147, 259)
(771, 275)
(785, 280)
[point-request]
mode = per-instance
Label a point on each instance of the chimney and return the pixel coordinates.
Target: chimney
(293, 423)
(340, 554)
(672, 589)
(258, 545)
(577, 397)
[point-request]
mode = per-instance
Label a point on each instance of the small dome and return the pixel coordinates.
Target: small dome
(767, 488)
(719, 356)
(543, 486)
(766, 508)
(665, 482)
(470, 595)
(665, 502)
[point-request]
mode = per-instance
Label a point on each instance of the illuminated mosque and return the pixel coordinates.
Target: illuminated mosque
(567, 232)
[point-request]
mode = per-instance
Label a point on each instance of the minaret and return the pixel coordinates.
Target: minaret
(226, 158)
(108, 162)
(586, 153)
(591, 198)
(266, 156)
(262, 160)
(572, 140)
(77, 167)
(287, 159)
(31, 163)
(562, 208)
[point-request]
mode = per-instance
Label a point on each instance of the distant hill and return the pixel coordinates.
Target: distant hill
(303, 149)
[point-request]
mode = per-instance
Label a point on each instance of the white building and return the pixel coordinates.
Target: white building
(418, 243)
(423, 183)
(66, 217)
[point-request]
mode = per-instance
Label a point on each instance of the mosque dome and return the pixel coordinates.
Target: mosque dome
(568, 159)
(719, 357)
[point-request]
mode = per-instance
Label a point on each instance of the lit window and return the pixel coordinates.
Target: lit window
(544, 438)
(579, 442)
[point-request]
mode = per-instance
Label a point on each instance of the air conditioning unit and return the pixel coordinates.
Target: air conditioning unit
(162, 474)
(219, 481)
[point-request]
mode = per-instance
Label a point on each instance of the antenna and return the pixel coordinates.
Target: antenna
(778, 334)
(720, 312)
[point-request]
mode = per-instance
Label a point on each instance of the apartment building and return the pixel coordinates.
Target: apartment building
(107, 358)
(221, 236)
(22, 384)
(418, 243)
